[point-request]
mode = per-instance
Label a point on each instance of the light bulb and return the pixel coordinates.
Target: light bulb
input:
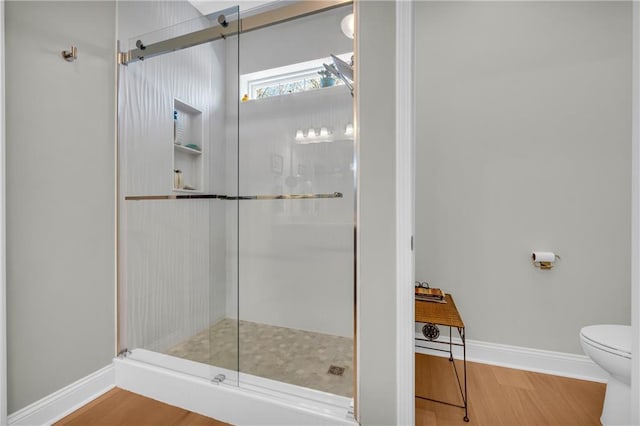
(299, 135)
(349, 130)
(311, 133)
(324, 132)
(347, 25)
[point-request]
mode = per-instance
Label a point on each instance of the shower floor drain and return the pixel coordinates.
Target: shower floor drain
(335, 370)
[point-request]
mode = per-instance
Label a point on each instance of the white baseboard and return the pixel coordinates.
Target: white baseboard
(63, 402)
(239, 405)
(521, 358)
(229, 403)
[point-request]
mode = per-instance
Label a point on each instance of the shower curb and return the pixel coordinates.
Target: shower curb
(227, 403)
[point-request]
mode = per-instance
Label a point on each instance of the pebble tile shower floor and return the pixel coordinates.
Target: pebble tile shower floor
(298, 357)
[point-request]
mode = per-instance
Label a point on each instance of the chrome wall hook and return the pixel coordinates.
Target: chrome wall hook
(70, 55)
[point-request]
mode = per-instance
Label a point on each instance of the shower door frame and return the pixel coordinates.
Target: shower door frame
(405, 208)
(250, 23)
(3, 235)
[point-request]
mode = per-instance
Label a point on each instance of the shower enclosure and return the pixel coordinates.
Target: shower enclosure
(237, 209)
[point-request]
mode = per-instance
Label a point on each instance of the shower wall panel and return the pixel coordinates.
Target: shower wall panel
(297, 256)
(167, 272)
(173, 274)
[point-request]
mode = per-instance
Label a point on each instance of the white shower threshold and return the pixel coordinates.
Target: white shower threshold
(241, 399)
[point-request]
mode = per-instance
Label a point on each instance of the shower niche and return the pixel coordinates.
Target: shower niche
(187, 148)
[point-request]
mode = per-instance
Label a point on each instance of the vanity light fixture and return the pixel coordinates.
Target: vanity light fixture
(324, 135)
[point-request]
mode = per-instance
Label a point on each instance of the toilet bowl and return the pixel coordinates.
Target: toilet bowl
(609, 346)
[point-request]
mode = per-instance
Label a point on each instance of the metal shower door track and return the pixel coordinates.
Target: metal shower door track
(250, 23)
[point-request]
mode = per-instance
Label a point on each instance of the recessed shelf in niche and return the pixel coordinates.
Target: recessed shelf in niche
(188, 191)
(187, 137)
(187, 150)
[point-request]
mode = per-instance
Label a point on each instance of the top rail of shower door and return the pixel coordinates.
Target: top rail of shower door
(250, 23)
(231, 197)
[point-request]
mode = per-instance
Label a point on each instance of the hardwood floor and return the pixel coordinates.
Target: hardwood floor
(497, 396)
(123, 408)
(503, 396)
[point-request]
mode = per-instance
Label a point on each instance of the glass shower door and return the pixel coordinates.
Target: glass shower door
(178, 197)
(297, 216)
(237, 253)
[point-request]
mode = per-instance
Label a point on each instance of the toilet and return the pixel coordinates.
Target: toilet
(609, 346)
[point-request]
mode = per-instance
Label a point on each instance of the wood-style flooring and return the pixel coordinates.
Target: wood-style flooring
(503, 396)
(497, 397)
(119, 407)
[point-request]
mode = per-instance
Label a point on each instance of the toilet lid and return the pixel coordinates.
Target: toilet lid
(616, 337)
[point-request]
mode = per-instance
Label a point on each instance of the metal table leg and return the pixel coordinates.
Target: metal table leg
(464, 364)
(450, 345)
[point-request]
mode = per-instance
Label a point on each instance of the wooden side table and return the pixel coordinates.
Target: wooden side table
(444, 314)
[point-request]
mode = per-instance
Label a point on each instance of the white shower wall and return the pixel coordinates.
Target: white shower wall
(172, 279)
(296, 266)
(297, 256)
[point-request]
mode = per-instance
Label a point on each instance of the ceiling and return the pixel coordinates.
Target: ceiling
(209, 6)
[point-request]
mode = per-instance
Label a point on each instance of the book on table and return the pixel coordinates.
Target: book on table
(430, 295)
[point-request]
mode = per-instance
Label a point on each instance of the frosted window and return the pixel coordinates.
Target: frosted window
(300, 77)
(283, 87)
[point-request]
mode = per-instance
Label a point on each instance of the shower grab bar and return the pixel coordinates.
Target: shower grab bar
(231, 197)
(289, 196)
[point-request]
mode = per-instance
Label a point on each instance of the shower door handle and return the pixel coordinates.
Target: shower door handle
(288, 196)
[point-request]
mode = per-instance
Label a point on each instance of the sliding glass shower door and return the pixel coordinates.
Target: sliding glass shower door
(178, 128)
(297, 253)
(237, 204)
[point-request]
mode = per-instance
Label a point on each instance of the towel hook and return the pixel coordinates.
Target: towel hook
(70, 55)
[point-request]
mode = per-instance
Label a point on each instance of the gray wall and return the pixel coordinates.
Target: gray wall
(60, 195)
(524, 143)
(375, 109)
